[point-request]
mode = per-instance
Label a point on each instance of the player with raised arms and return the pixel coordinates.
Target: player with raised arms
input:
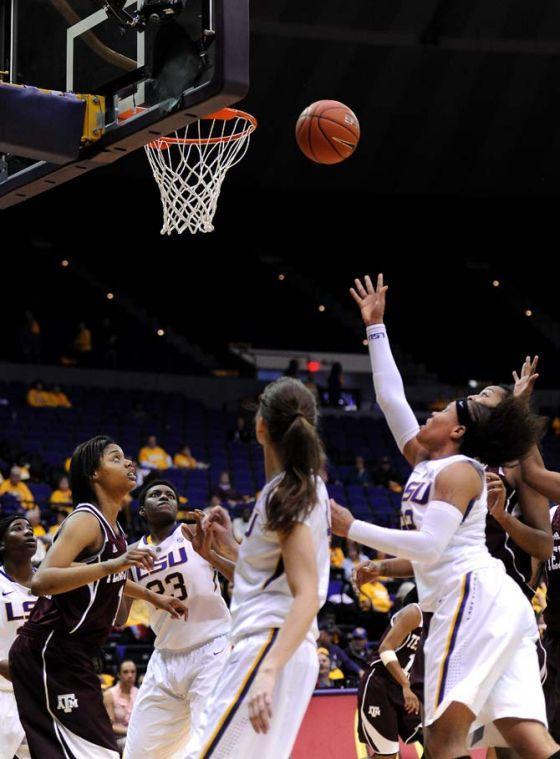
(17, 547)
(480, 653)
(80, 583)
(280, 583)
(189, 654)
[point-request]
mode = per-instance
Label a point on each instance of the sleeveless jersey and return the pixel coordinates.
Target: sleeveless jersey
(261, 594)
(16, 602)
(552, 611)
(405, 653)
(466, 550)
(179, 571)
(87, 613)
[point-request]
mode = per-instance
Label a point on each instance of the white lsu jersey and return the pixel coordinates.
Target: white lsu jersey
(261, 594)
(466, 550)
(16, 602)
(179, 571)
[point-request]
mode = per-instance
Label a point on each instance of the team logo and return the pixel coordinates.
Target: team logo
(67, 702)
(374, 711)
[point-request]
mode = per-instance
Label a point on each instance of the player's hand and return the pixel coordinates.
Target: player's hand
(200, 538)
(218, 522)
(5, 669)
(496, 496)
(366, 571)
(260, 700)
(341, 519)
(411, 702)
(525, 381)
(134, 557)
(371, 300)
(171, 605)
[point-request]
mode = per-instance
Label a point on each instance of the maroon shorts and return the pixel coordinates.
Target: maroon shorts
(59, 699)
(382, 718)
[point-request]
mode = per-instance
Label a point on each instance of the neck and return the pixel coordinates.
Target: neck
(159, 533)
(126, 687)
(20, 569)
(110, 506)
(272, 463)
(447, 449)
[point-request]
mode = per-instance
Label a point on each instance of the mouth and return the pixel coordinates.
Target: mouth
(132, 476)
(31, 541)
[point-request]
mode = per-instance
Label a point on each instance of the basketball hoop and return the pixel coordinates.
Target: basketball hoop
(189, 167)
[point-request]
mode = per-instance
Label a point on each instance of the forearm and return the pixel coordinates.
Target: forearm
(51, 581)
(226, 567)
(5, 669)
(140, 593)
(292, 633)
(533, 541)
(124, 611)
(397, 673)
(396, 568)
(389, 388)
(541, 479)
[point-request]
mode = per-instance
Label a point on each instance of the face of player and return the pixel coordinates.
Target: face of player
(115, 473)
(127, 673)
(440, 428)
(160, 505)
(19, 540)
(491, 396)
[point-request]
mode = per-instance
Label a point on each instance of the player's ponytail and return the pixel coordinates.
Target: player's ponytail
(290, 413)
(86, 459)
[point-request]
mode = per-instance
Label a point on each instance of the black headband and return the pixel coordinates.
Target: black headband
(463, 413)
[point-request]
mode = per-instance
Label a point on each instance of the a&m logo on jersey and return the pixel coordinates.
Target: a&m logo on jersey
(67, 702)
(374, 711)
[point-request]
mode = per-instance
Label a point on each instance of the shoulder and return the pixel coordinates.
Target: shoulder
(463, 471)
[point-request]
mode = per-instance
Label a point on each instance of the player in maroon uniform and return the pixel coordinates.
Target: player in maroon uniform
(552, 632)
(80, 583)
(387, 706)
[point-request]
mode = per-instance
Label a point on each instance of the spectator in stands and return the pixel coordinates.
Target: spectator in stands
(354, 557)
(337, 553)
(556, 425)
(240, 433)
(240, 524)
(119, 701)
(334, 385)
(108, 342)
(151, 456)
(375, 603)
(58, 398)
(61, 498)
(359, 475)
(337, 656)
(37, 396)
(292, 369)
(83, 343)
(328, 677)
(184, 459)
(14, 486)
(310, 384)
(30, 339)
(438, 404)
(43, 541)
(358, 648)
(225, 491)
(54, 528)
(387, 476)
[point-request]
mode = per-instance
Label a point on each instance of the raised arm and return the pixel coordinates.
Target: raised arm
(387, 381)
(57, 572)
(454, 488)
(300, 566)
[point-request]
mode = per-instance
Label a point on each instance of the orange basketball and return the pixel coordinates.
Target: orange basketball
(327, 131)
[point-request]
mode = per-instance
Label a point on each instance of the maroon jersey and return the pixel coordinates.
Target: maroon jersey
(87, 613)
(405, 652)
(552, 611)
(516, 561)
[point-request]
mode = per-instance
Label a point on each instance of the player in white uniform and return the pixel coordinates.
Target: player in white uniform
(481, 660)
(189, 654)
(281, 580)
(17, 546)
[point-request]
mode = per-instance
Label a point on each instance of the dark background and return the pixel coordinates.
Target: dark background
(454, 184)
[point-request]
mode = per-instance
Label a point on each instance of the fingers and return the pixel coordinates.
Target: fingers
(356, 297)
(260, 712)
(379, 282)
(369, 285)
(515, 376)
(140, 557)
(187, 532)
(360, 288)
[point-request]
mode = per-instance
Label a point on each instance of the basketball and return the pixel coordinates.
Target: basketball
(327, 132)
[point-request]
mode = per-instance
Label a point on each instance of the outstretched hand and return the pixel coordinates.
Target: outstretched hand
(525, 382)
(371, 300)
(198, 534)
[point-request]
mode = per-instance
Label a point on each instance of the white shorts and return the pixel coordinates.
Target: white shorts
(12, 735)
(173, 694)
(226, 730)
(480, 651)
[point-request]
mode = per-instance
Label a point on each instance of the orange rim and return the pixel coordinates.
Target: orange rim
(225, 114)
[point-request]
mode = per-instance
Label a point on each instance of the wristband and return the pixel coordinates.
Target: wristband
(388, 656)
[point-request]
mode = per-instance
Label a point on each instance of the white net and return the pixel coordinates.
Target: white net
(189, 167)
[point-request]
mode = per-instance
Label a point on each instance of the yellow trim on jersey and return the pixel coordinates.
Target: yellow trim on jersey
(450, 636)
(233, 704)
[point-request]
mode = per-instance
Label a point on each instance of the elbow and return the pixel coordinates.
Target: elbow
(545, 548)
(40, 586)
(429, 556)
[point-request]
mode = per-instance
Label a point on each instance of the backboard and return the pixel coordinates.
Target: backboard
(155, 78)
